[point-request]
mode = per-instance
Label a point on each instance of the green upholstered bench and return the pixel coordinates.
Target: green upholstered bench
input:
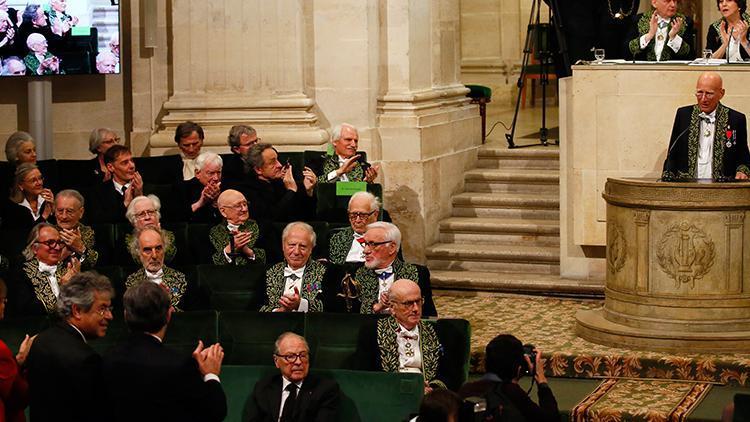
(366, 396)
(248, 337)
(233, 288)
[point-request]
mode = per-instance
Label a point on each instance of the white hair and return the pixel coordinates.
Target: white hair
(130, 213)
(336, 131)
(392, 232)
(372, 199)
(208, 158)
(34, 38)
(308, 228)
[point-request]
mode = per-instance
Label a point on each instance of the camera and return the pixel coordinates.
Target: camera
(528, 350)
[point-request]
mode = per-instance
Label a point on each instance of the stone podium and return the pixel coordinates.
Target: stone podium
(675, 267)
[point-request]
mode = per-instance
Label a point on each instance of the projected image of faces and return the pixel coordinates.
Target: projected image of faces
(58, 37)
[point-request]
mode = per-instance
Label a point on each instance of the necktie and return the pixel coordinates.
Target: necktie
(287, 413)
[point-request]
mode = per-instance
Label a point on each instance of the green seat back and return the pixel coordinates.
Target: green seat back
(365, 396)
(186, 328)
(455, 337)
(198, 244)
(104, 243)
(479, 91)
(13, 330)
(333, 338)
(248, 337)
(183, 255)
(233, 288)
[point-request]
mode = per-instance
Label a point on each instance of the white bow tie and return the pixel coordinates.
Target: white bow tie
(47, 269)
(155, 276)
(358, 235)
(707, 118)
(232, 227)
(288, 272)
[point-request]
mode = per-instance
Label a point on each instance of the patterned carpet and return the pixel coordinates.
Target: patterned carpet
(549, 323)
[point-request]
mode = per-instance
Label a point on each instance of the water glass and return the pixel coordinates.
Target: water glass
(599, 55)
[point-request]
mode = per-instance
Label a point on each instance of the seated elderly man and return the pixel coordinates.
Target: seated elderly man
(39, 61)
(382, 267)
(200, 194)
(237, 166)
(37, 284)
(348, 245)
(234, 239)
(60, 21)
(13, 66)
(274, 193)
(144, 211)
(296, 284)
(402, 342)
(78, 238)
(661, 34)
(344, 165)
(110, 199)
(150, 245)
(189, 138)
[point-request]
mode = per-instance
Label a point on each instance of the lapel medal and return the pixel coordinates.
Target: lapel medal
(730, 137)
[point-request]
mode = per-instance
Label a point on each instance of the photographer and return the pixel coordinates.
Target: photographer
(505, 363)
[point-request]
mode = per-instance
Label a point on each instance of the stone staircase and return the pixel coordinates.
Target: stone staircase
(504, 234)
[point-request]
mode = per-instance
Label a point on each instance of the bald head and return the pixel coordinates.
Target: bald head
(233, 206)
(709, 91)
(406, 302)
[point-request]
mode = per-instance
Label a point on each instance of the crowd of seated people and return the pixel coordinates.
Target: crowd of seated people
(261, 218)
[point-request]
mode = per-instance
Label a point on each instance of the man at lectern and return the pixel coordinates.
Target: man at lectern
(709, 139)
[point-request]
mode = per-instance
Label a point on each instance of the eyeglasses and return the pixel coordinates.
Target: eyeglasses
(292, 357)
(52, 244)
(410, 303)
(145, 214)
(707, 94)
(360, 215)
(238, 206)
(373, 245)
(104, 309)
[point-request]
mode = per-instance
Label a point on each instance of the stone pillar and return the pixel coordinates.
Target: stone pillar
(240, 61)
(429, 132)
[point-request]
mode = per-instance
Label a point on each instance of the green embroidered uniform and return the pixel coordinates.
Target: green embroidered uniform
(312, 286)
(429, 347)
(174, 281)
(219, 236)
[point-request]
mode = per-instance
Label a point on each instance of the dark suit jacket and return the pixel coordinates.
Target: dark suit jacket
(149, 382)
(233, 174)
(681, 161)
(317, 400)
(17, 216)
(640, 27)
(271, 201)
(106, 204)
(516, 404)
(189, 191)
(65, 377)
(713, 38)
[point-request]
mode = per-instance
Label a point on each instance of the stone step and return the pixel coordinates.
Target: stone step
(490, 231)
(539, 206)
(496, 257)
(513, 282)
(518, 181)
(521, 158)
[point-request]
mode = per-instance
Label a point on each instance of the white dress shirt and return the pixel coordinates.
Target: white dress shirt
(188, 167)
(409, 353)
(356, 250)
(662, 37)
(706, 150)
(155, 277)
(119, 187)
(384, 284)
(285, 394)
(51, 272)
(733, 50)
(293, 278)
(232, 230)
(36, 213)
(332, 175)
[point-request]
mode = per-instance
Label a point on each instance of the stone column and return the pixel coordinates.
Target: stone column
(429, 132)
(240, 61)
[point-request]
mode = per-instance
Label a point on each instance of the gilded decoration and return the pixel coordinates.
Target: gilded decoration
(685, 253)
(617, 248)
